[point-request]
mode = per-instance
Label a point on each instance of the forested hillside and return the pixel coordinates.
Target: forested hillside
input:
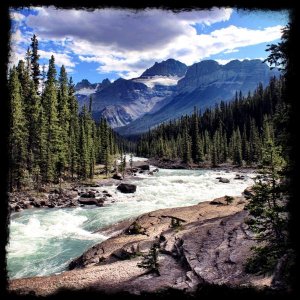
(49, 138)
(231, 132)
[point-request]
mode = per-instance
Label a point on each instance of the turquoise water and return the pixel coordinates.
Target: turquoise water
(44, 241)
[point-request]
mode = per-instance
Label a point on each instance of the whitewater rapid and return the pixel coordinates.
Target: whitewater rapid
(44, 241)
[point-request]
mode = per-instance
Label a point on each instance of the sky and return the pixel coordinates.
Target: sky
(113, 43)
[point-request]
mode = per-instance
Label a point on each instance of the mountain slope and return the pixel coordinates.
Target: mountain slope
(169, 67)
(205, 84)
(123, 101)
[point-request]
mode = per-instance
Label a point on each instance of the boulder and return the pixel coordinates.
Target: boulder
(239, 177)
(117, 176)
(94, 185)
(126, 188)
(70, 193)
(224, 180)
(36, 203)
(55, 191)
(150, 173)
(155, 170)
(145, 167)
(218, 201)
(89, 194)
(18, 208)
(248, 192)
(87, 201)
(134, 170)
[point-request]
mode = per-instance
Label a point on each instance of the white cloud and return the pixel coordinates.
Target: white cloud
(231, 51)
(188, 49)
(17, 16)
(60, 58)
(128, 42)
(226, 61)
(16, 53)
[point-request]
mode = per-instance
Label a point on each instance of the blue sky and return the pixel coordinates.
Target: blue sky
(111, 43)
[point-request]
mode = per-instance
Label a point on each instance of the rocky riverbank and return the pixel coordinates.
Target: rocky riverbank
(75, 194)
(178, 164)
(197, 245)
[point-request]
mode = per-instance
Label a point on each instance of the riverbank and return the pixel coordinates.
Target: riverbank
(71, 194)
(209, 245)
(178, 164)
(68, 195)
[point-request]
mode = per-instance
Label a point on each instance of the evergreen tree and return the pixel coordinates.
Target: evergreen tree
(268, 211)
(187, 155)
(237, 148)
(35, 67)
(197, 153)
(18, 134)
(63, 109)
(48, 138)
(73, 146)
(53, 140)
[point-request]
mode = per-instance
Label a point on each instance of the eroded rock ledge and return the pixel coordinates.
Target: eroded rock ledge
(210, 245)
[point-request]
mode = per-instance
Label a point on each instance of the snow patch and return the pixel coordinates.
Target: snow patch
(158, 80)
(87, 91)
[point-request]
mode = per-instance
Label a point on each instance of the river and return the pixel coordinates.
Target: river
(44, 241)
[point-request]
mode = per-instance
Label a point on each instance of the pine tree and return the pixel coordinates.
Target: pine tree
(63, 109)
(150, 260)
(18, 134)
(268, 211)
(123, 162)
(237, 147)
(187, 153)
(34, 126)
(197, 153)
(53, 140)
(35, 67)
(73, 146)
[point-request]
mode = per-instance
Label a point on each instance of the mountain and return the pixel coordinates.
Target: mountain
(168, 90)
(169, 67)
(123, 101)
(205, 84)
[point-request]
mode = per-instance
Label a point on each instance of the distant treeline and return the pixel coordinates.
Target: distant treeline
(232, 132)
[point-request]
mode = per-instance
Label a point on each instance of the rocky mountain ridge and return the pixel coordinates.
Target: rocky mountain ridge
(168, 90)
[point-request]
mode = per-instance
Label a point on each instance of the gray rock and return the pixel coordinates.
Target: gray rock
(248, 192)
(126, 188)
(89, 194)
(118, 176)
(224, 180)
(88, 201)
(145, 167)
(239, 177)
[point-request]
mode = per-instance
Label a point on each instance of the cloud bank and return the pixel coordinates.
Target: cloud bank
(127, 42)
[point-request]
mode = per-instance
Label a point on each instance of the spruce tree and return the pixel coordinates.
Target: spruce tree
(17, 134)
(187, 155)
(35, 67)
(268, 211)
(64, 118)
(237, 147)
(197, 153)
(53, 140)
(74, 130)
